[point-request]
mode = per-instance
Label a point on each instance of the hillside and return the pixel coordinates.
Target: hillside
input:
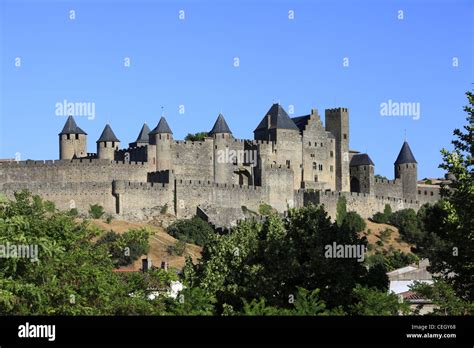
(159, 242)
(386, 234)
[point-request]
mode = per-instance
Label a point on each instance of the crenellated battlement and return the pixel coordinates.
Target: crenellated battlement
(208, 183)
(73, 162)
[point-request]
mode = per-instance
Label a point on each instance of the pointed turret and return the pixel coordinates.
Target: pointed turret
(220, 126)
(72, 141)
(108, 135)
(107, 144)
(162, 137)
(405, 155)
(162, 127)
(143, 136)
(70, 127)
(406, 169)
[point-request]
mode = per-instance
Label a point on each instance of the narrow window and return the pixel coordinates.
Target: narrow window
(331, 168)
(77, 136)
(345, 136)
(331, 153)
(314, 166)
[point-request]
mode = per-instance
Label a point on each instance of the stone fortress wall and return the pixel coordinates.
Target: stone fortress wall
(293, 162)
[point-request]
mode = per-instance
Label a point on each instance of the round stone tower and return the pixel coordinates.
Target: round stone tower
(107, 144)
(222, 136)
(406, 169)
(162, 137)
(72, 141)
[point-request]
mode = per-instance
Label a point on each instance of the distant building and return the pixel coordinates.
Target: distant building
(402, 278)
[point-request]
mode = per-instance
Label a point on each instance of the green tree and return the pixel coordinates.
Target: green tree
(444, 298)
(353, 222)
(453, 255)
(369, 301)
(194, 230)
(196, 136)
(341, 209)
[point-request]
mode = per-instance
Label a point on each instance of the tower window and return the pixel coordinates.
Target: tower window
(331, 153)
(431, 193)
(77, 136)
(321, 144)
(309, 143)
(320, 167)
(288, 163)
(168, 136)
(222, 135)
(426, 193)
(314, 166)
(345, 136)
(407, 165)
(331, 168)
(68, 136)
(419, 192)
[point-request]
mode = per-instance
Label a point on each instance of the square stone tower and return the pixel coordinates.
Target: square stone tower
(337, 122)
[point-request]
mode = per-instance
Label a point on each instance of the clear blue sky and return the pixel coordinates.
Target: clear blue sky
(190, 62)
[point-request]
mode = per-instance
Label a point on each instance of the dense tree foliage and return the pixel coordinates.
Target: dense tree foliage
(196, 136)
(194, 230)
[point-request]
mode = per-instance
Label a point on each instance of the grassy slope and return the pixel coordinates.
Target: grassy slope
(159, 243)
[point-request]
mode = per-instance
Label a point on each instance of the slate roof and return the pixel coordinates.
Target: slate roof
(220, 126)
(361, 159)
(143, 136)
(107, 135)
(278, 119)
(405, 155)
(161, 127)
(70, 127)
(301, 121)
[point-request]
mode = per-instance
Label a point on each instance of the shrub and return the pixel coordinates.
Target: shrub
(353, 222)
(96, 211)
(194, 230)
(164, 209)
(265, 209)
(385, 234)
(379, 243)
(73, 212)
(109, 218)
(178, 248)
(127, 247)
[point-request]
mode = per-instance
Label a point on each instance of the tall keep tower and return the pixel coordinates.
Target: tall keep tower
(162, 137)
(337, 122)
(221, 135)
(406, 169)
(107, 144)
(72, 141)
